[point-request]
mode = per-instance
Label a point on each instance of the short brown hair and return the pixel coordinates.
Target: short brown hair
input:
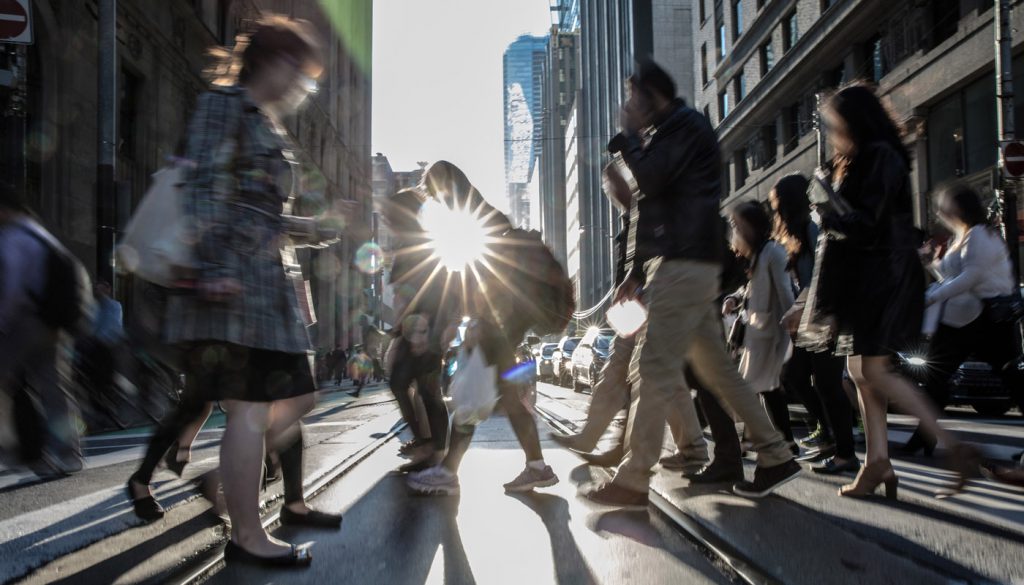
(275, 36)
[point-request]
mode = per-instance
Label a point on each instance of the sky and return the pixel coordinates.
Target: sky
(437, 82)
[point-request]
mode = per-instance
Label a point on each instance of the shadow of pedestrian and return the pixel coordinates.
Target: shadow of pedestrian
(570, 565)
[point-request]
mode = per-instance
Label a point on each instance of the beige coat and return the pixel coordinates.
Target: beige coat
(766, 343)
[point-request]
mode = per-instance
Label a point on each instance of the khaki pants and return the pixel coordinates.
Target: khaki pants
(683, 326)
(611, 394)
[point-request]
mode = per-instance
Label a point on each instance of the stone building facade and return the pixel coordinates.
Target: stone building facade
(760, 63)
(49, 121)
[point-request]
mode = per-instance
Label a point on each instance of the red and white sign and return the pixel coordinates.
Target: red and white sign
(16, 21)
(1013, 158)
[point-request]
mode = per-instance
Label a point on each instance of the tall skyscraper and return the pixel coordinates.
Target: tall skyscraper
(561, 81)
(524, 74)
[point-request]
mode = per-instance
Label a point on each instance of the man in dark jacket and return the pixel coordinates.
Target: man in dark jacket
(674, 236)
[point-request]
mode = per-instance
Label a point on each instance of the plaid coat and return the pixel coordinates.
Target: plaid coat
(239, 181)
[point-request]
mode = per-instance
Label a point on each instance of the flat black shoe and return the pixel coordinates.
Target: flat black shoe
(146, 508)
(171, 460)
(300, 556)
(717, 473)
(610, 458)
(830, 467)
(313, 519)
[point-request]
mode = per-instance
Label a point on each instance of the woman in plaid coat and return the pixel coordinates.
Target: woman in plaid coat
(245, 338)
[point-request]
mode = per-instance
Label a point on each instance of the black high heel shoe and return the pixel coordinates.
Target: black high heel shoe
(917, 443)
(300, 556)
(146, 507)
(171, 460)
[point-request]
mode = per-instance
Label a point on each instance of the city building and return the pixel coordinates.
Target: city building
(561, 82)
(613, 34)
(523, 66)
(49, 123)
(762, 63)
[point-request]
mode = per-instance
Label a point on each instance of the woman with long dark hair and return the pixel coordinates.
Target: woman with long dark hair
(765, 298)
(874, 301)
(825, 398)
(976, 279)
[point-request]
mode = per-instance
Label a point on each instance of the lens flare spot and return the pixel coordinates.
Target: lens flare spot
(369, 258)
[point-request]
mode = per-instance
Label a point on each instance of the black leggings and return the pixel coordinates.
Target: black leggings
(425, 370)
(522, 421)
(827, 371)
(723, 429)
(993, 343)
(777, 405)
(189, 409)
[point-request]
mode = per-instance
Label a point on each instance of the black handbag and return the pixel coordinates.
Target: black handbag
(736, 334)
(1004, 309)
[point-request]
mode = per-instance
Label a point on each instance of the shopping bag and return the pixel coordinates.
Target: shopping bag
(154, 246)
(474, 389)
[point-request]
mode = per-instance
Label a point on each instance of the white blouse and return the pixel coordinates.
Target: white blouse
(976, 267)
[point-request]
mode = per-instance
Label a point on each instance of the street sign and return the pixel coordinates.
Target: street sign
(15, 22)
(1013, 158)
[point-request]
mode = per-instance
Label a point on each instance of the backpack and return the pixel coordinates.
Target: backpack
(546, 296)
(66, 301)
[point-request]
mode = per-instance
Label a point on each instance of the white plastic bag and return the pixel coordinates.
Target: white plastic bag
(153, 246)
(474, 388)
(627, 318)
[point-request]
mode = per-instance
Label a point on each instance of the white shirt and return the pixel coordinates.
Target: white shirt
(976, 267)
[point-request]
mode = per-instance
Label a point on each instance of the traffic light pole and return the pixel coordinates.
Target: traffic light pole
(1005, 121)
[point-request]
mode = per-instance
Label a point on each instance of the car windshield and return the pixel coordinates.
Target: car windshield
(570, 344)
(548, 350)
(603, 343)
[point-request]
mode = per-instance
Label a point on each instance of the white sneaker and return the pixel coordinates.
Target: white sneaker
(532, 478)
(434, 481)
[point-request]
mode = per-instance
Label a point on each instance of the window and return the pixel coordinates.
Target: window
(767, 54)
(790, 32)
(723, 105)
(760, 4)
(127, 123)
(945, 19)
(798, 120)
(721, 43)
(739, 87)
(703, 11)
(737, 19)
(826, 4)
(212, 14)
(704, 63)
(740, 164)
(876, 62)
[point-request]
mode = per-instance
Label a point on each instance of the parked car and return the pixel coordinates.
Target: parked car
(973, 384)
(545, 356)
(590, 357)
(562, 360)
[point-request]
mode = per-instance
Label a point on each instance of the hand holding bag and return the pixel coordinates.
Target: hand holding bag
(474, 388)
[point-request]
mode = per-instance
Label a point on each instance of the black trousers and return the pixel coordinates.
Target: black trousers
(425, 370)
(723, 429)
(988, 341)
(827, 390)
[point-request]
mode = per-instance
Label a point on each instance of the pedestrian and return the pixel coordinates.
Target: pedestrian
(45, 301)
(611, 392)
(765, 298)
(247, 343)
(673, 154)
(976, 290)
(495, 330)
(425, 307)
(869, 291)
(825, 399)
(98, 350)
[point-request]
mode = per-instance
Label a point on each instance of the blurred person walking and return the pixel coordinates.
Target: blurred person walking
(979, 302)
(611, 392)
(825, 398)
(245, 340)
(672, 152)
(45, 300)
(765, 298)
(868, 291)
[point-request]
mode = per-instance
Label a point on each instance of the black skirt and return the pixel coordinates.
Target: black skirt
(885, 311)
(225, 371)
